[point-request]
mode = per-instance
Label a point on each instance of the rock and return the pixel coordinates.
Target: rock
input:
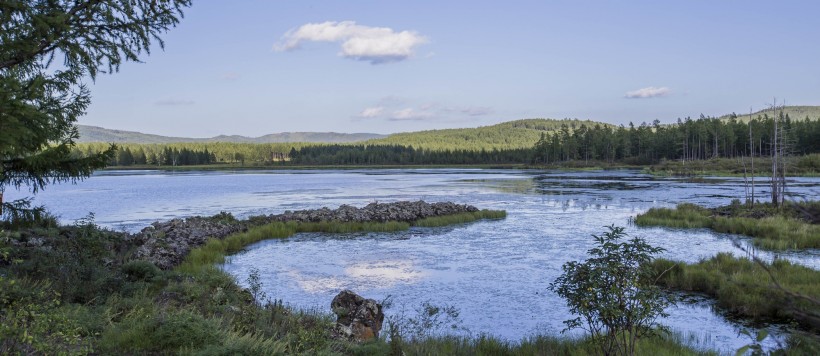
(167, 243)
(358, 319)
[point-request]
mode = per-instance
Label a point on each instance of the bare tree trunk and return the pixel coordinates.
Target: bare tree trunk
(752, 156)
(775, 188)
(745, 181)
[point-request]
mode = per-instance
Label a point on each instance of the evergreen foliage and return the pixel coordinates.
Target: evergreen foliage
(687, 140)
(532, 141)
(41, 100)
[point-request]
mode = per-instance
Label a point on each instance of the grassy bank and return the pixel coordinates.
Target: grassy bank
(805, 166)
(772, 228)
(745, 289)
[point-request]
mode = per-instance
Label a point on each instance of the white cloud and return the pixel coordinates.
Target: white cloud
(372, 44)
(174, 102)
(410, 114)
(648, 92)
(369, 113)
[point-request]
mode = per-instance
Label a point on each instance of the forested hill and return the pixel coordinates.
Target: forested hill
(506, 135)
(99, 134)
(794, 112)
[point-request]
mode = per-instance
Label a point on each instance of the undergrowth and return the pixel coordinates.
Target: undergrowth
(772, 228)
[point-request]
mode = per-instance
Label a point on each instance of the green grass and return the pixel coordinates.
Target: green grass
(805, 166)
(461, 218)
(780, 230)
(743, 287)
(114, 305)
(215, 250)
(536, 345)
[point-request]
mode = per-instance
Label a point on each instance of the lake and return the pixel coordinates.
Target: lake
(495, 273)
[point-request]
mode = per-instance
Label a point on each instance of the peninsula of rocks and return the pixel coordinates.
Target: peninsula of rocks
(167, 243)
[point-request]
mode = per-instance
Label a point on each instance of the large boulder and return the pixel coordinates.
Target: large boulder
(358, 319)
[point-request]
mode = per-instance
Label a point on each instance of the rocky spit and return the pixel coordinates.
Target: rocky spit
(167, 243)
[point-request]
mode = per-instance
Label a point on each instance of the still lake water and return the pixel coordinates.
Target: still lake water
(495, 272)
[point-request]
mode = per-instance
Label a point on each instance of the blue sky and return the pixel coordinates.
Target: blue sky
(258, 67)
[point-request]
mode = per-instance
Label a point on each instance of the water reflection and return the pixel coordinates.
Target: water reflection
(495, 272)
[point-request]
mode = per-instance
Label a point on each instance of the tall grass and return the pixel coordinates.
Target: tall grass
(461, 218)
(536, 345)
(776, 232)
(743, 287)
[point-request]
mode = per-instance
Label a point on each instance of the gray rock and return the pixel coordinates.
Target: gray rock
(358, 319)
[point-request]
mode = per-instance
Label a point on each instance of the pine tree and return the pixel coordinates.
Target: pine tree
(40, 101)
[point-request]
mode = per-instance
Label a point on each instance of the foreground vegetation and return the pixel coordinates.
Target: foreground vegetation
(745, 288)
(74, 290)
(790, 227)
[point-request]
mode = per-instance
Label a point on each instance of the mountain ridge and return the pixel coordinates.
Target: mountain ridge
(100, 134)
(509, 134)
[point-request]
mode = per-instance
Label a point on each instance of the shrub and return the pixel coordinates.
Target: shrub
(613, 292)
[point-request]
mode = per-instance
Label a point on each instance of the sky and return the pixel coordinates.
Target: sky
(258, 67)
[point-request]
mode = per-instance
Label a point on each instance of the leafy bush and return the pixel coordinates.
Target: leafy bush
(613, 292)
(140, 270)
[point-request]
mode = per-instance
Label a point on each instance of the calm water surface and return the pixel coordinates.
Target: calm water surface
(495, 272)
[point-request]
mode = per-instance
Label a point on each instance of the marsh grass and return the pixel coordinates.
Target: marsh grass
(780, 230)
(806, 165)
(536, 345)
(743, 287)
(461, 218)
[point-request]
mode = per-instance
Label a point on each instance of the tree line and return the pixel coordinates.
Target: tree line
(688, 139)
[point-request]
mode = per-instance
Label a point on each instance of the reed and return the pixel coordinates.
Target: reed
(743, 287)
(461, 218)
(779, 230)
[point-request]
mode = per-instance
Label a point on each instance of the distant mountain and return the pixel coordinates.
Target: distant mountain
(99, 134)
(506, 135)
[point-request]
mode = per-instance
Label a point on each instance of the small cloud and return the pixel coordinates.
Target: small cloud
(648, 92)
(369, 113)
(410, 114)
(174, 102)
(376, 45)
(231, 76)
(477, 111)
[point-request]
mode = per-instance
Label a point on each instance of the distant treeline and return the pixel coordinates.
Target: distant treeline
(570, 140)
(402, 155)
(688, 139)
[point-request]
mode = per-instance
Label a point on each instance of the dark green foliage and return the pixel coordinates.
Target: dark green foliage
(141, 270)
(688, 140)
(403, 155)
(41, 100)
(20, 214)
(718, 142)
(613, 292)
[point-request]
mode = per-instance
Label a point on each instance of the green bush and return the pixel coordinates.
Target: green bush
(140, 270)
(612, 292)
